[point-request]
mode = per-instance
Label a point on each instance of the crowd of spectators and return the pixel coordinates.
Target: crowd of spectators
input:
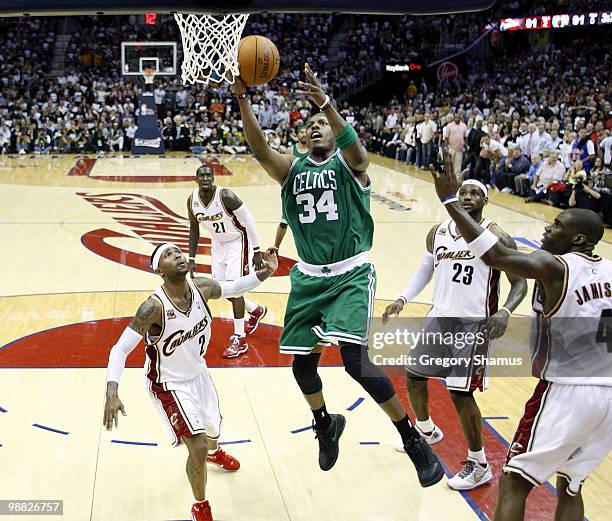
(535, 124)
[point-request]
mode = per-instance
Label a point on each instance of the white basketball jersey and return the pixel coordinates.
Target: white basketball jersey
(177, 354)
(572, 343)
(215, 218)
(464, 286)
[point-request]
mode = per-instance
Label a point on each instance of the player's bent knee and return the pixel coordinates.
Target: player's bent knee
(369, 376)
(197, 446)
(304, 369)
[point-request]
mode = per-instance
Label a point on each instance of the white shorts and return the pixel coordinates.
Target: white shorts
(464, 374)
(232, 259)
(187, 408)
(566, 429)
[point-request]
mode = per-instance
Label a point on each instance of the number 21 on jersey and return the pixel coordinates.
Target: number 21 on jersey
(325, 205)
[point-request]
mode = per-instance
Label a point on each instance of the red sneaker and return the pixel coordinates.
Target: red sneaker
(255, 318)
(238, 346)
(224, 460)
(200, 511)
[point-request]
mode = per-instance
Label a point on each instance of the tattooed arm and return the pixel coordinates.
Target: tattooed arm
(148, 315)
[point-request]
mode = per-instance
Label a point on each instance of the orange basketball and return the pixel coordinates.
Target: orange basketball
(259, 60)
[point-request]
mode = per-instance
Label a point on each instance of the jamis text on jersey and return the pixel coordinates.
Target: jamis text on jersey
(309, 180)
(217, 217)
(442, 253)
(593, 291)
(179, 337)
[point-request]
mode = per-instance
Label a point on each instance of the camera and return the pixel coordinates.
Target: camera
(579, 186)
(438, 162)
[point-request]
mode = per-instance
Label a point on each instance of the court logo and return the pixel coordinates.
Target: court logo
(140, 218)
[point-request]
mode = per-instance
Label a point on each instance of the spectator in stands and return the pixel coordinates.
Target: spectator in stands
(584, 196)
(523, 182)
(551, 171)
(427, 132)
(455, 136)
(583, 149)
(516, 164)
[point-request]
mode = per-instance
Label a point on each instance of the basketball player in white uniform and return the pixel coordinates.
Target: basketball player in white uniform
(235, 248)
(175, 322)
(464, 288)
(566, 429)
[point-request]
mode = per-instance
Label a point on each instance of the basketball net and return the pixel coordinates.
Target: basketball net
(210, 46)
(149, 75)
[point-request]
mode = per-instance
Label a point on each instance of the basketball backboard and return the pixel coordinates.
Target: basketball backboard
(161, 56)
(57, 7)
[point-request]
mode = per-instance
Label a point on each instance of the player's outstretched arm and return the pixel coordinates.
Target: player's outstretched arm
(277, 165)
(211, 289)
(235, 206)
(148, 313)
(354, 154)
(540, 265)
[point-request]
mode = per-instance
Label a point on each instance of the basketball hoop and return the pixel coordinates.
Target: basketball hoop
(210, 46)
(149, 75)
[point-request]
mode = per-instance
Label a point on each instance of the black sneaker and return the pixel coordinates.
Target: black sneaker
(428, 467)
(328, 441)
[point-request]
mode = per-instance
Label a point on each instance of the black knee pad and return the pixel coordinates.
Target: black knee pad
(305, 372)
(371, 377)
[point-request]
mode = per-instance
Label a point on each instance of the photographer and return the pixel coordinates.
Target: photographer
(583, 196)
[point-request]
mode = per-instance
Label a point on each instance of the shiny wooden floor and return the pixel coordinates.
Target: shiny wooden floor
(76, 235)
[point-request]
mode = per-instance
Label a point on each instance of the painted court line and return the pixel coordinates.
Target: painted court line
(356, 404)
(50, 429)
(301, 429)
(236, 442)
(143, 443)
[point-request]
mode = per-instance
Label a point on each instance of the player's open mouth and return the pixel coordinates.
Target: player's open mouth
(315, 135)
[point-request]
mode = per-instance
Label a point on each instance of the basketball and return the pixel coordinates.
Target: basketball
(259, 60)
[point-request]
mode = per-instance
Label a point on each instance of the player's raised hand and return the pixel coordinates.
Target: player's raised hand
(258, 260)
(112, 407)
(445, 181)
(311, 87)
(238, 87)
(270, 262)
(392, 309)
(192, 267)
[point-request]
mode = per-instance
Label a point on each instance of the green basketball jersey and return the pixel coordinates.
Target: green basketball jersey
(327, 209)
(297, 153)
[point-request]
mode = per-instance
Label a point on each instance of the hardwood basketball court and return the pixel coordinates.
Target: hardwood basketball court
(77, 233)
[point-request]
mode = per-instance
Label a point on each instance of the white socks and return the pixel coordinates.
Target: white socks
(426, 426)
(239, 326)
(479, 456)
(249, 305)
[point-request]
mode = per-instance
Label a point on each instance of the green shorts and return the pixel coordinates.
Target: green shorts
(323, 309)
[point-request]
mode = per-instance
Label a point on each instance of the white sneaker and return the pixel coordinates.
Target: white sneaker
(472, 475)
(436, 436)
(507, 190)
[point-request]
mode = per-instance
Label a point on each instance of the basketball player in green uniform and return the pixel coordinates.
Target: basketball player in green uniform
(326, 202)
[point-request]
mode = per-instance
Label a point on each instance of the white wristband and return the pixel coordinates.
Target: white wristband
(483, 243)
(325, 103)
(504, 308)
